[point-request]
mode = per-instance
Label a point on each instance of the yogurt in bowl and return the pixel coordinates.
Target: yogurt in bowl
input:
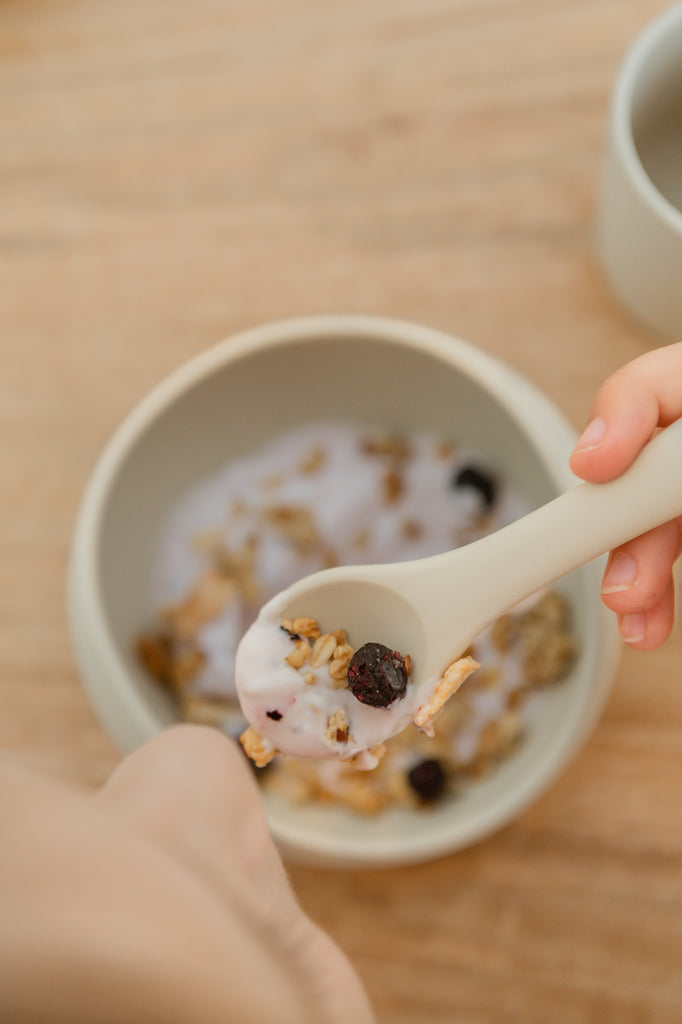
(326, 384)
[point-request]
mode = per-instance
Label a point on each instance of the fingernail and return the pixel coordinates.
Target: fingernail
(633, 627)
(593, 435)
(621, 574)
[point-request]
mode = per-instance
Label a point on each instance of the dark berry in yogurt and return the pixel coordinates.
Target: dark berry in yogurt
(479, 480)
(427, 779)
(377, 675)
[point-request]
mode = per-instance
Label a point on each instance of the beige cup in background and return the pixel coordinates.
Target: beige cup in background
(640, 217)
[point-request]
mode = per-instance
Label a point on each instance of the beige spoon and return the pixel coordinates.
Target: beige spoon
(434, 608)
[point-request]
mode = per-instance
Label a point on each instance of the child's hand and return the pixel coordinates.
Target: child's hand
(628, 409)
(161, 898)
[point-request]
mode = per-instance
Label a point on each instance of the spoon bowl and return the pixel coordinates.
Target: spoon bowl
(365, 602)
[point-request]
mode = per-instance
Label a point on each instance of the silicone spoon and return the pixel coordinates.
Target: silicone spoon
(434, 608)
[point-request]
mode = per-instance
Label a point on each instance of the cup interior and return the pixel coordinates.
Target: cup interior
(656, 108)
(230, 405)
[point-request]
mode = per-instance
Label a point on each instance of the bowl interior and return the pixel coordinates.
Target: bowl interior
(234, 408)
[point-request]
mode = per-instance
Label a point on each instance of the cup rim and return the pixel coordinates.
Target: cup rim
(636, 58)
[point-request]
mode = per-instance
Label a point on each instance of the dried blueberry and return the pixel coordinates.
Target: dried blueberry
(484, 483)
(274, 715)
(377, 675)
(427, 779)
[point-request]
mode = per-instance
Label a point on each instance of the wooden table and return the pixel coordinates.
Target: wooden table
(174, 171)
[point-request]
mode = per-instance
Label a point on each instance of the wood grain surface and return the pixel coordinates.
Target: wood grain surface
(174, 171)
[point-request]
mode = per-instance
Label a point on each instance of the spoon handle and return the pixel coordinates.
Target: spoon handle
(493, 574)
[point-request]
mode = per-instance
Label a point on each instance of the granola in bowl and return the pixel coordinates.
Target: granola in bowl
(336, 493)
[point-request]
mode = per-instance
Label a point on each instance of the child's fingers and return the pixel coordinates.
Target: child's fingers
(638, 573)
(629, 406)
(646, 630)
(623, 418)
(190, 791)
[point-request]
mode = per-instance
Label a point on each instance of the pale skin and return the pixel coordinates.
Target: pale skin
(162, 897)
(628, 409)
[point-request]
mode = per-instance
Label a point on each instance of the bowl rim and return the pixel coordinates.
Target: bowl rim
(87, 620)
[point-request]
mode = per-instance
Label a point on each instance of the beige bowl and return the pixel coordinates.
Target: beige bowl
(231, 399)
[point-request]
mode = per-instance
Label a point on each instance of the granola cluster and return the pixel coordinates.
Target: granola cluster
(172, 653)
